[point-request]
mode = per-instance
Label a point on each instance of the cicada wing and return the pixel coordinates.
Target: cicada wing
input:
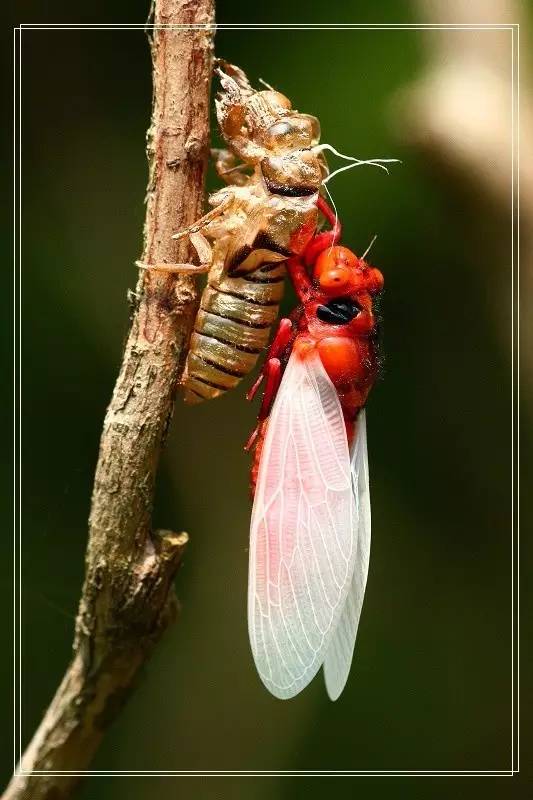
(340, 651)
(302, 548)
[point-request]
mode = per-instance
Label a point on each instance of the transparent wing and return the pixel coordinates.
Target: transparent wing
(340, 651)
(302, 549)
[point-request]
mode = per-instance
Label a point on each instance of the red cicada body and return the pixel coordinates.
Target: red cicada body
(310, 529)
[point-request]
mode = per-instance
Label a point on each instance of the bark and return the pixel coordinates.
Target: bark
(127, 598)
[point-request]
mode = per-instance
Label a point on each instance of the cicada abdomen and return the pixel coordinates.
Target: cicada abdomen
(232, 328)
(266, 213)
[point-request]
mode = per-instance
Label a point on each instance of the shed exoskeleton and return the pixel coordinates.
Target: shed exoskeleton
(266, 212)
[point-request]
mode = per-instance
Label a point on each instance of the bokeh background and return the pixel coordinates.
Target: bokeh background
(430, 686)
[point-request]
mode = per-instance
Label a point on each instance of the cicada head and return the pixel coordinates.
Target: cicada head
(338, 271)
(261, 127)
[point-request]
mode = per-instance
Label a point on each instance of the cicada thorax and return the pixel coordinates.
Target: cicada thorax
(335, 322)
(269, 215)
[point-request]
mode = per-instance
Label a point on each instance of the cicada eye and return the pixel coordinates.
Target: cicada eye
(293, 132)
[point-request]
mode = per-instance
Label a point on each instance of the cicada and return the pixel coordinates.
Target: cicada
(310, 528)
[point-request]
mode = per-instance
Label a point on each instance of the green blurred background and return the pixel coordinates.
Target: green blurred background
(430, 687)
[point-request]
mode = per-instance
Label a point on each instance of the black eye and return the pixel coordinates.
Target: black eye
(338, 311)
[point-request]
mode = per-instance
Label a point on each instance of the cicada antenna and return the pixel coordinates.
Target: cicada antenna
(267, 85)
(369, 248)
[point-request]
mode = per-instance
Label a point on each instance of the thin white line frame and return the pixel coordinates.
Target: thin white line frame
(515, 343)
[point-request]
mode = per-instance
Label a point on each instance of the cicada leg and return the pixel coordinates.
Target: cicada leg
(197, 226)
(325, 239)
(271, 373)
(299, 278)
(280, 341)
(229, 169)
(205, 254)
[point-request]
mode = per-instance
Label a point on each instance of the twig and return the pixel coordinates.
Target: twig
(127, 599)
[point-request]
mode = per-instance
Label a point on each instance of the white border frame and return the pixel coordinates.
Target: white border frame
(515, 426)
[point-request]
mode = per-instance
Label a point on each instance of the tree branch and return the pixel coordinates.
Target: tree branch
(127, 599)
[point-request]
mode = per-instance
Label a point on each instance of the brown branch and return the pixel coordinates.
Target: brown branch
(127, 599)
